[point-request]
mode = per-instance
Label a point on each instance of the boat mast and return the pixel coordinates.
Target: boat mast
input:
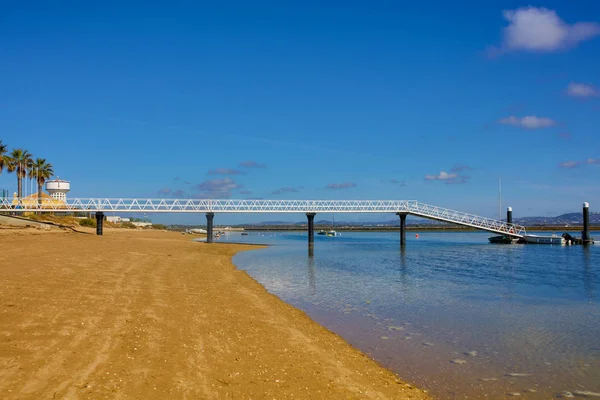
(499, 199)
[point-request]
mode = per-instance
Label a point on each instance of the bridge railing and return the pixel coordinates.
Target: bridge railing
(255, 206)
(205, 205)
(461, 218)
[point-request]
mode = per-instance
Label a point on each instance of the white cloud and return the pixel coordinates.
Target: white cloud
(542, 30)
(442, 176)
(452, 178)
(593, 161)
(568, 164)
(216, 188)
(582, 90)
(528, 122)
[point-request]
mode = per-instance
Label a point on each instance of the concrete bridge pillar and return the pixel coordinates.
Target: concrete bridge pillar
(311, 231)
(402, 228)
(509, 215)
(99, 222)
(209, 226)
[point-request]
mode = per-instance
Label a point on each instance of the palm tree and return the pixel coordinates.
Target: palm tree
(41, 171)
(2, 156)
(19, 161)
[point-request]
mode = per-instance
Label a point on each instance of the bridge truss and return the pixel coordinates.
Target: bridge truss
(411, 207)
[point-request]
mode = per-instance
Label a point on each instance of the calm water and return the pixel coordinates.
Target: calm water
(452, 313)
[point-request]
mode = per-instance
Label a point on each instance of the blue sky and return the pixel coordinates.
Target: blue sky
(310, 100)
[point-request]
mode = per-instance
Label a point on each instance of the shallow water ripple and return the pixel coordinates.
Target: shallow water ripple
(452, 313)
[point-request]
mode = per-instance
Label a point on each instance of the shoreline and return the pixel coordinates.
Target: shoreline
(155, 315)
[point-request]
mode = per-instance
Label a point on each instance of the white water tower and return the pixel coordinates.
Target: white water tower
(58, 189)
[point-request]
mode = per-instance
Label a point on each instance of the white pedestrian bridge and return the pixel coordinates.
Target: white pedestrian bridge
(409, 207)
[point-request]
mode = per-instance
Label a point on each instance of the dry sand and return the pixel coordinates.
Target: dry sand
(152, 315)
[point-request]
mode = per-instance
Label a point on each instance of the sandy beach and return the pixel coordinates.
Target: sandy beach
(153, 315)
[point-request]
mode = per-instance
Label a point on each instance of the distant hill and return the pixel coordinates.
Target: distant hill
(565, 219)
(561, 220)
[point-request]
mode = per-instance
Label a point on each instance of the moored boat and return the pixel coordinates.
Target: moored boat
(503, 239)
(536, 239)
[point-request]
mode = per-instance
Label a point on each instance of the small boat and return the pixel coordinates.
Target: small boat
(332, 232)
(321, 232)
(244, 233)
(536, 239)
(503, 239)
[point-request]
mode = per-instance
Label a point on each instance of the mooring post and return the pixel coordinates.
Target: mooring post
(209, 226)
(402, 228)
(99, 223)
(509, 215)
(311, 230)
(585, 234)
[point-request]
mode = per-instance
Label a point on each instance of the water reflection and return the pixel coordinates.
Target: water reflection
(588, 275)
(403, 270)
(312, 278)
(510, 283)
(520, 307)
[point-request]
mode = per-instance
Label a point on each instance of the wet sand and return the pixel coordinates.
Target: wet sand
(153, 315)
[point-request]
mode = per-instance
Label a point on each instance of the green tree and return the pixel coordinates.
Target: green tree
(2, 156)
(19, 161)
(41, 171)
(2, 160)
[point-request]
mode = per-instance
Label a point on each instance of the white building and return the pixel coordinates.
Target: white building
(142, 224)
(117, 219)
(58, 189)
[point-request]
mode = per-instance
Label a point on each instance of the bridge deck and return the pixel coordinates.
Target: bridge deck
(412, 207)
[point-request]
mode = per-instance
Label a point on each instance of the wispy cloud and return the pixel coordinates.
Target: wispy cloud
(582, 90)
(225, 171)
(569, 164)
(176, 179)
(448, 178)
(168, 192)
(396, 182)
(252, 164)
(285, 190)
(461, 167)
(338, 186)
(534, 29)
(565, 135)
(216, 188)
(575, 164)
(528, 122)
(187, 182)
(245, 192)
